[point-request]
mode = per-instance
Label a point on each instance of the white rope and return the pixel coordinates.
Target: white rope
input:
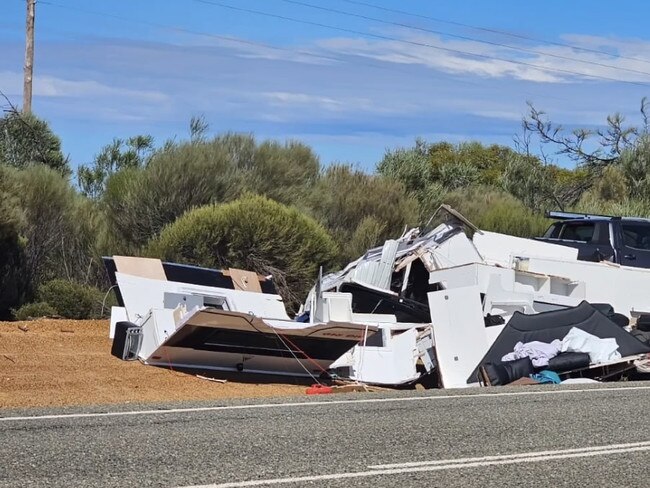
(104, 300)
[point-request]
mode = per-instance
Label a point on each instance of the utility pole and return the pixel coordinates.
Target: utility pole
(29, 57)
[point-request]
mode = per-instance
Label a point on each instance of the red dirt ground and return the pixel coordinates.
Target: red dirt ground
(68, 362)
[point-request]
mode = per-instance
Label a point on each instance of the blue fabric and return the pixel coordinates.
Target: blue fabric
(304, 318)
(547, 376)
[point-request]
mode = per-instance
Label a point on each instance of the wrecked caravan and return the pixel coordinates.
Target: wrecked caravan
(233, 327)
(425, 304)
(467, 288)
(449, 303)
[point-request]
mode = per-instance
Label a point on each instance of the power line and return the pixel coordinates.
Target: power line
(465, 38)
(495, 31)
(237, 40)
(264, 45)
(276, 48)
(202, 34)
(243, 41)
(420, 44)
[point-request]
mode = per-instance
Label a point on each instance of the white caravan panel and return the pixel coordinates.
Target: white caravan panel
(460, 334)
(624, 288)
(499, 248)
(118, 314)
(140, 295)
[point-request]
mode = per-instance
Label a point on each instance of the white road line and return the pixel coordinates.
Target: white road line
(421, 469)
(319, 403)
(511, 456)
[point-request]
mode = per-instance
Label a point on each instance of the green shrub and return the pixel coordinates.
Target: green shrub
(72, 300)
(14, 285)
(365, 237)
(344, 197)
(34, 311)
(179, 177)
(496, 211)
(59, 227)
(253, 233)
(626, 207)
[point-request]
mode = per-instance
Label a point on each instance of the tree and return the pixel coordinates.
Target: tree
(611, 141)
(198, 128)
(494, 210)
(612, 185)
(254, 233)
(411, 166)
(344, 197)
(141, 201)
(635, 165)
(120, 154)
(526, 178)
(467, 163)
(26, 140)
(429, 171)
(13, 283)
(451, 165)
(60, 229)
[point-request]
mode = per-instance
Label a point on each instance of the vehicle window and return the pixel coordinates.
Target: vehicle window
(636, 235)
(553, 231)
(601, 234)
(578, 232)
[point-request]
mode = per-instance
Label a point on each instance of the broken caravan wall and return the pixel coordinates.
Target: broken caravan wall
(212, 339)
(469, 292)
(392, 279)
(414, 258)
(477, 285)
(183, 274)
(247, 340)
(623, 287)
(443, 259)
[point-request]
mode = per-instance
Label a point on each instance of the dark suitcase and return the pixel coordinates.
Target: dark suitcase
(127, 341)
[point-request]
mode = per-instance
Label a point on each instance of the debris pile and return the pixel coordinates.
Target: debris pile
(452, 307)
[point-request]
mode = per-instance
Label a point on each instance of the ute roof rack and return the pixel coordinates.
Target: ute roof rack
(572, 216)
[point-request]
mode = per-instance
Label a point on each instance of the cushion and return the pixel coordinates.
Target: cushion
(567, 361)
(497, 374)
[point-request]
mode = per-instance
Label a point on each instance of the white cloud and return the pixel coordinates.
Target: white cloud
(338, 104)
(53, 87)
(285, 99)
(380, 93)
(541, 64)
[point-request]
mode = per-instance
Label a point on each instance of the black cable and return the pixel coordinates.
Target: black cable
(260, 44)
(494, 31)
(465, 38)
(415, 43)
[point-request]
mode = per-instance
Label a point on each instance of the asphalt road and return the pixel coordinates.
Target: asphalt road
(525, 436)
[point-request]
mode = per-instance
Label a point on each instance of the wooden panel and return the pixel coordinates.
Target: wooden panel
(245, 280)
(143, 267)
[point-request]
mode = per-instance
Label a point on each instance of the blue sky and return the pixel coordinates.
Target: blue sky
(117, 68)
